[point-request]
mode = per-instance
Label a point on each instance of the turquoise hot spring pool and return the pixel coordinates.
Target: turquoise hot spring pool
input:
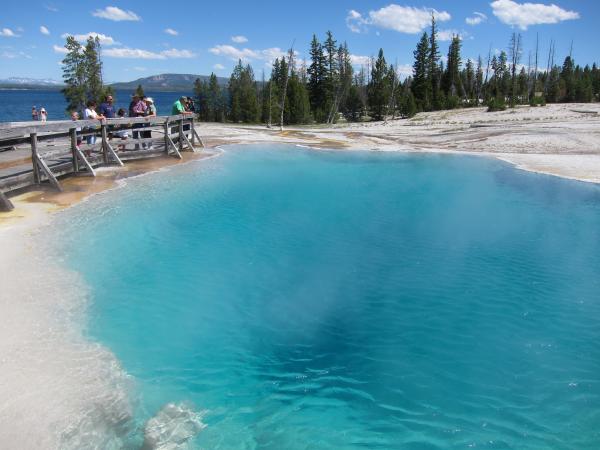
(301, 299)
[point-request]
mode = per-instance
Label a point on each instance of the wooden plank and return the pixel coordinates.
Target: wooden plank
(199, 138)
(111, 152)
(171, 143)
(51, 178)
(79, 155)
(34, 158)
(5, 203)
(189, 143)
(180, 131)
(73, 136)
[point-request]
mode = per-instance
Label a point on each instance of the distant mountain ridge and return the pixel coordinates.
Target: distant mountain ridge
(167, 82)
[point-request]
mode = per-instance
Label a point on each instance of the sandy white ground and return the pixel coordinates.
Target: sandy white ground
(53, 381)
(561, 140)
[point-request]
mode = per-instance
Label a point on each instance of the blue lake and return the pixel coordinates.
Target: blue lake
(337, 300)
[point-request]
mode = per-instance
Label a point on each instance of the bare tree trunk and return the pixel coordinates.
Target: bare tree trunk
(285, 85)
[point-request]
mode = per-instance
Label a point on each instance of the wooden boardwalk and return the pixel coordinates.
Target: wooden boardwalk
(40, 153)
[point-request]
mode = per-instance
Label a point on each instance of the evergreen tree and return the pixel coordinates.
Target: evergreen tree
(433, 67)
(568, 80)
(317, 80)
(95, 89)
(74, 75)
(421, 87)
(139, 91)
(242, 93)
(379, 88)
(452, 82)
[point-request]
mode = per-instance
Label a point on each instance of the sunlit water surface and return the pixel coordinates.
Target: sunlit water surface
(333, 300)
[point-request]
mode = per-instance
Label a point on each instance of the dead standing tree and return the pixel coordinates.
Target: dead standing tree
(285, 84)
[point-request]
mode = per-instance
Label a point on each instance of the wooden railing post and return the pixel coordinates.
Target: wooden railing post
(181, 134)
(104, 142)
(193, 132)
(35, 158)
(73, 134)
(167, 135)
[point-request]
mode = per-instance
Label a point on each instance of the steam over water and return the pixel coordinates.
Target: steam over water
(279, 298)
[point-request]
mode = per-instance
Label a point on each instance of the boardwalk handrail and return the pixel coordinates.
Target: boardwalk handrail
(70, 156)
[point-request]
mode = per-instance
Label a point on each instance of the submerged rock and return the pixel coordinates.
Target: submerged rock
(172, 428)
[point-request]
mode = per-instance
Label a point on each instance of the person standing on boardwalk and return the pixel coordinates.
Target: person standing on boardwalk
(179, 107)
(91, 114)
(137, 108)
(43, 115)
(107, 108)
(150, 112)
(34, 114)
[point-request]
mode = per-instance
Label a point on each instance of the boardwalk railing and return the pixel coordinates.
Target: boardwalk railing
(78, 147)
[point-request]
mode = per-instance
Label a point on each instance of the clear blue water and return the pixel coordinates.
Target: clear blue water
(331, 300)
(15, 105)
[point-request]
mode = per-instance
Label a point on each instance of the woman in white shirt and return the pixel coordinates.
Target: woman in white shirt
(90, 114)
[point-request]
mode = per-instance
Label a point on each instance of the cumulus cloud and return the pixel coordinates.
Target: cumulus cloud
(44, 30)
(58, 49)
(246, 54)
(359, 60)
(239, 39)
(116, 14)
(447, 35)
(13, 55)
(403, 19)
(218, 67)
(103, 38)
(136, 53)
(476, 19)
(171, 31)
(523, 15)
(7, 32)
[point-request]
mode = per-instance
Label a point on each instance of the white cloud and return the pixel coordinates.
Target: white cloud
(171, 31)
(136, 53)
(359, 60)
(239, 39)
(476, 19)
(13, 55)
(44, 30)
(218, 67)
(174, 53)
(51, 8)
(104, 39)
(403, 19)
(233, 52)
(523, 15)
(139, 68)
(116, 14)
(58, 49)
(355, 22)
(7, 32)
(447, 35)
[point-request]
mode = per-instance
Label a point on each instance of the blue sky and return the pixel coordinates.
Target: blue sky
(142, 38)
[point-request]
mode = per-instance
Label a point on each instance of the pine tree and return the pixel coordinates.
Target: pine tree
(433, 67)
(421, 87)
(95, 89)
(379, 88)
(139, 91)
(317, 81)
(452, 86)
(74, 75)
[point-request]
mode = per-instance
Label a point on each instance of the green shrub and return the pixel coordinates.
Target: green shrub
(537, 101)
(496, 104)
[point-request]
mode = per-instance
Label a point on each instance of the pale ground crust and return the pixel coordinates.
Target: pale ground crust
(561, 140)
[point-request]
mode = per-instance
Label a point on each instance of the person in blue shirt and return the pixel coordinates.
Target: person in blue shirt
(107, 108)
